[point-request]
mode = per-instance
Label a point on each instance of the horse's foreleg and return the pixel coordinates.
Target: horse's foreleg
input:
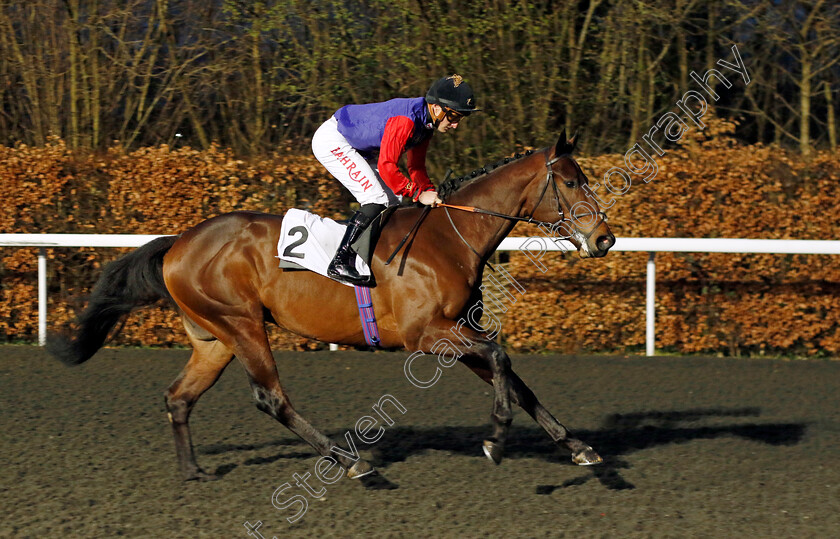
(522, 395)
(502, 413)
(208, 360)
(497, 362)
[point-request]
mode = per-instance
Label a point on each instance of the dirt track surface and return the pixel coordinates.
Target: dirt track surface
(692, 447)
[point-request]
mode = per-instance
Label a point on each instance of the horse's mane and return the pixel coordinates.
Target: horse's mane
(453, 184)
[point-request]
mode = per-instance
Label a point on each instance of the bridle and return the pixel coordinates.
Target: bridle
(558, 196)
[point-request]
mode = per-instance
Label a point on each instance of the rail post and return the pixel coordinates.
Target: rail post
(42, 296)
(650, 306)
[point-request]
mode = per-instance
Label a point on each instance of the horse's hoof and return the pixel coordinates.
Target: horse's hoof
(360, 469)
(200, 476)
(376, 481)
(493, 451)
(587, 457)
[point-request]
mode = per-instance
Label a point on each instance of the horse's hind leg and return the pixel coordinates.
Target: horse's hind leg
(522, 395)
(208, 360)
(253, 350)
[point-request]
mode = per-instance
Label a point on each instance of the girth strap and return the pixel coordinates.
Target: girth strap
(366, 315)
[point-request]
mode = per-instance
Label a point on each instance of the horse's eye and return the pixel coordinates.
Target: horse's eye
(570, 184)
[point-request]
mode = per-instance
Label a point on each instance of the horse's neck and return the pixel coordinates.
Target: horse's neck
(500, 191)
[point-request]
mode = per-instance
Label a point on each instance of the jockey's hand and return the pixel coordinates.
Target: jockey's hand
(429, 198)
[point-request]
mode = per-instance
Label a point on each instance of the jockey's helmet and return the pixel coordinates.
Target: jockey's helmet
(452, 93)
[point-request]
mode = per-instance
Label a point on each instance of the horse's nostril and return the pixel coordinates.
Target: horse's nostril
(605, 242)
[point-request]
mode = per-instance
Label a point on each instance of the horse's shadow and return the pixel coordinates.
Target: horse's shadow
(621, 434)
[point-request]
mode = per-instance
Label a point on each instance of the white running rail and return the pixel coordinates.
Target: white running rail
(535, 248)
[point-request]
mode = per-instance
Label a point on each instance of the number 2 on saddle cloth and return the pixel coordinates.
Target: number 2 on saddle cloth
(309, 242)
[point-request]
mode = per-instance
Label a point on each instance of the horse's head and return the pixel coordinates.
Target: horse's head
(560, 196)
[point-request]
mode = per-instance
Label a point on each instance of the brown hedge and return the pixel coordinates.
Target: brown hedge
(707, 187)
(148, 191)
(723, 303)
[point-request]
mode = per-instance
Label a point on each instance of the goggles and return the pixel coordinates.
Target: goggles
(454, 116)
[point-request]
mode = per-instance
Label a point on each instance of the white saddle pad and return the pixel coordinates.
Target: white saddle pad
(310, 242)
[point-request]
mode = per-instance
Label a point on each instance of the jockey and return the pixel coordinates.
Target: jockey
(361, 145)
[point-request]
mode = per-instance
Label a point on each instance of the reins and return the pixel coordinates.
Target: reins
(529, 219)
(423, 215)
(455, 228)
(473, 209)
(558, 196)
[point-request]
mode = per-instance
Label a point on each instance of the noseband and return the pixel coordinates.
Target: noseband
(558, 196)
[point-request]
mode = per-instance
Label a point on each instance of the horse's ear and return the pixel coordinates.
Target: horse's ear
(565, 146)
(560, 147)
(574, 140)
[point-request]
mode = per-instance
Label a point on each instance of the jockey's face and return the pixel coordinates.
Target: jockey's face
(450, 118)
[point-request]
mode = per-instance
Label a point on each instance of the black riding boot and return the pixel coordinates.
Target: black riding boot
(343, 266)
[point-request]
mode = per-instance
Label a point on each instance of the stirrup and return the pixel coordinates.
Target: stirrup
(349, 274)
(342, 269)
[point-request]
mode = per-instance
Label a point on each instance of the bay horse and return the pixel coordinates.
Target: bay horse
(223, 278)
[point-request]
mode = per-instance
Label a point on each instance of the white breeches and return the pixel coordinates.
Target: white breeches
(349, 167)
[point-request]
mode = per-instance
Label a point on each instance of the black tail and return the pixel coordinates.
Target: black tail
(127, 283)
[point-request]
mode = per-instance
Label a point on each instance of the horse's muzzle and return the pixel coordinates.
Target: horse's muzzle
(602, 246)
(605, 243)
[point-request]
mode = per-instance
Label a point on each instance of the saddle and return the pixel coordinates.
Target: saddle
(309, 242)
